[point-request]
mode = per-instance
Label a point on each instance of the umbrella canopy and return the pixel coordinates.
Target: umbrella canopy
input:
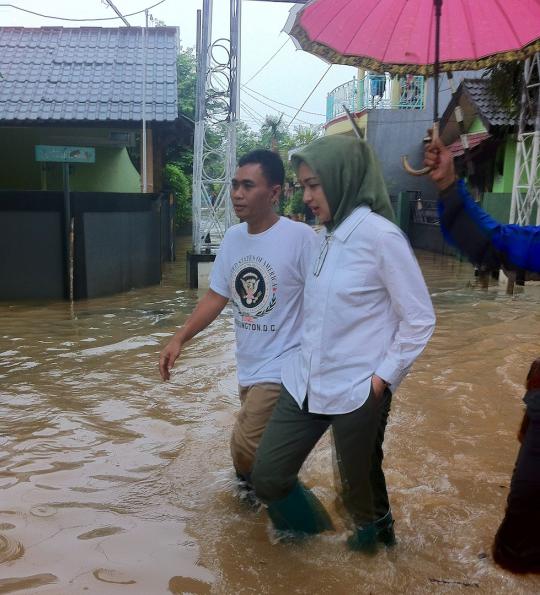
(398, 36)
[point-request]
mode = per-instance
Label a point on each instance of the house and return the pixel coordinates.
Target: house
(113, 90)
(87, 86)
(491, 132)
(393, 113)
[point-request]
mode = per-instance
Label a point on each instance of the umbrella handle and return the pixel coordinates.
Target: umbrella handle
(425, 170)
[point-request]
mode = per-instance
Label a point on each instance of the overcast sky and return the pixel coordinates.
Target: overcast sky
(288, 78)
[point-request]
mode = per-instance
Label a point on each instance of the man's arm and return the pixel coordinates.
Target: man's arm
(206, 311)
(487, 243)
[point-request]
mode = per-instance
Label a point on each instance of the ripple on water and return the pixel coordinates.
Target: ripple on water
(8, 585)
(101, 532)
(117, 577)
(10, 549)
(43, 510)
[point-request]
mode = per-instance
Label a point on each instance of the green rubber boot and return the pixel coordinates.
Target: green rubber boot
(385, 530)
(366, 538)
(300, 512)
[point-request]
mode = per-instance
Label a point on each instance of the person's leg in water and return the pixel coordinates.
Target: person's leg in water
(257, 403)
(358, 438)
(289, 437)
(517, 543)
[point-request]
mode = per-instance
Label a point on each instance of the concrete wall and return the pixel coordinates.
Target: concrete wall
(113, 170)
(393, 133)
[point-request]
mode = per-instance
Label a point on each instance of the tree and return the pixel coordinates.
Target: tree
(273, 132)
(178, 169)
(180, 185)
(246, 139)
(186, 70)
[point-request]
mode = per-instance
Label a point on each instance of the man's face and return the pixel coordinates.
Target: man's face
(253, 197)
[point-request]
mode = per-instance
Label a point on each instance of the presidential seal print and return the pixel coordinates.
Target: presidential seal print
(254, 287)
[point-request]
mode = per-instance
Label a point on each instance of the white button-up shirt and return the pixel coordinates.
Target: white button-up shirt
(366, 312)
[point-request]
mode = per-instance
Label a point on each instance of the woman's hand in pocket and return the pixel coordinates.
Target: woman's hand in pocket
(379, 385)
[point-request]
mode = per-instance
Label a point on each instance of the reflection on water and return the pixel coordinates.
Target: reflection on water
(112, 481)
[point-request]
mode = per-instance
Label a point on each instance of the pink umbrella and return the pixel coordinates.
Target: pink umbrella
(418, 36)
(398, 36)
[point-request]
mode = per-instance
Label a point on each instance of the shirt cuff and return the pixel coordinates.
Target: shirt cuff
(392, 375)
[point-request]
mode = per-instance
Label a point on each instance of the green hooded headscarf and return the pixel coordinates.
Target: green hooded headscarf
(350, 176)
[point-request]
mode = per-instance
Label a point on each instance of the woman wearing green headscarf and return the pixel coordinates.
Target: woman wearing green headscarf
(367, 317)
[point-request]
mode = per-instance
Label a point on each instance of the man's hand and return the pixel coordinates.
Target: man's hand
(207, 310)
(439, 159)
(379, 385)
(168, 356)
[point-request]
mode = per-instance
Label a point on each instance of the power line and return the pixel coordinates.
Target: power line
(310, 94)
(48, 16)
(253, 111)
(279, 102)
(272, 107)
(254, 115)
(267, 62)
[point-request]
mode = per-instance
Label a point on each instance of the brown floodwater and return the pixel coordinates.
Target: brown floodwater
(112, 481)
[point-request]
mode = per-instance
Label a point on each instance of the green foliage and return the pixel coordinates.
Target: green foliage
(246, 139)
(180, 184)
(295, 204)
(186, 69)
(506, 83)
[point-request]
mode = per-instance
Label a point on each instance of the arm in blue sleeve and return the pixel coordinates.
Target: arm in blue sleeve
(463, 226)
(485, 241)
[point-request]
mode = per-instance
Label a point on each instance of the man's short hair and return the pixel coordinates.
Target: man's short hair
(270, 162)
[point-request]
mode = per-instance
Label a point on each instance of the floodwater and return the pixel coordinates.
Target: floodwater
(114, 482)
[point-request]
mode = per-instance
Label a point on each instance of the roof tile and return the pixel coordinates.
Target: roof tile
(87, 73)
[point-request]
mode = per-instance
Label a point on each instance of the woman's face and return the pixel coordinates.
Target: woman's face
(314, 196)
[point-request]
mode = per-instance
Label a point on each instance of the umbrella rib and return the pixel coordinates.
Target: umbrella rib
(334, 17)
(468, 22)
(396, 21)
(509, 22)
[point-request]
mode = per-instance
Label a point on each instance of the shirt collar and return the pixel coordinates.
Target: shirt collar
(344, 230)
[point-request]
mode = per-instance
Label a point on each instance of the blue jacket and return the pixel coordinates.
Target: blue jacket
(486, 242)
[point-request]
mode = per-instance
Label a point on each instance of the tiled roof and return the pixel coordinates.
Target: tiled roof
(487, 103)
(474, 139)
(87, 73)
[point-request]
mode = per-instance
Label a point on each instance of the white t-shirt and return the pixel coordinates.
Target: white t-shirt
(263, 275)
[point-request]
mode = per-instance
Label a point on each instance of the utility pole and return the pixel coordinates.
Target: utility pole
(526, 186)
(216, 118)
(109, 2)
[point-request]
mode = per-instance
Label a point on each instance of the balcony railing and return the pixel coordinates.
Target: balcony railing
(376, 91)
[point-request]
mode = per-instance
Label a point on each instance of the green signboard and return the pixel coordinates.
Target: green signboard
(65, 154)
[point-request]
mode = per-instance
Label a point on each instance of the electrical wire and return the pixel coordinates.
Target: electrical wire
(272, 107)
(279, 102)
(48, 16)
(267, 62)
(310, 94)
(254, 115)
(253, 111)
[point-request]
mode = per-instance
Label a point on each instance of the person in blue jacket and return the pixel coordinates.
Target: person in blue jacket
(487, 243)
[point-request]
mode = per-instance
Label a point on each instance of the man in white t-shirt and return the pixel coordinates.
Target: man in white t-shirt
(261, 266)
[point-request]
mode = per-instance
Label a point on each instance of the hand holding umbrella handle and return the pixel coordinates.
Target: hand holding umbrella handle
(425, 170)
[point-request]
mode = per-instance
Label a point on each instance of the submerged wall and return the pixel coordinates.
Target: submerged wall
(119, 242)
